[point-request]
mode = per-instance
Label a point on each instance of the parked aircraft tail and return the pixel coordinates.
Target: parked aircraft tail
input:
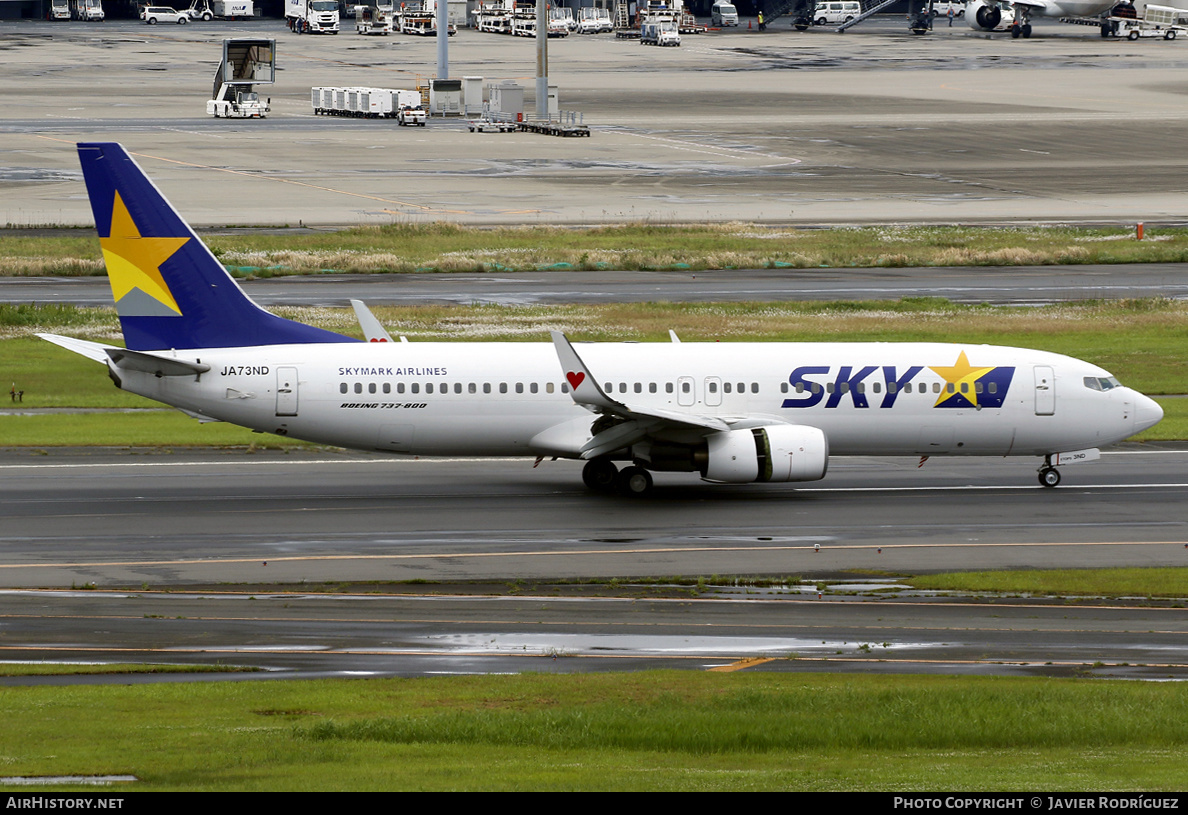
(170, 291)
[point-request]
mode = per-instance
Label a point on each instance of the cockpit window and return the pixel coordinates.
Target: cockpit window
(1102, 383)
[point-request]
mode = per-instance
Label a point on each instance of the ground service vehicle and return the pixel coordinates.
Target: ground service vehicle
(246, 62)
(239, 105)
(659, 34)
(843, 12)
(594, 21)
(411, 115)
(723, 15)
(59, 10)
(375, 18)
(940, 8)
(89, 10)
(163, 14)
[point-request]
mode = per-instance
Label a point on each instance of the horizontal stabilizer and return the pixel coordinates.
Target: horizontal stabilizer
(91, 350)
(156, 365)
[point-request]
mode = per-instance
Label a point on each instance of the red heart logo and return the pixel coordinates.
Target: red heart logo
(575, 379)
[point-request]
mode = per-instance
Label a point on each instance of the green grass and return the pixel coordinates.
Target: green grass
(453, 248)
(1135, 582)
(644, 731)
(150, 428)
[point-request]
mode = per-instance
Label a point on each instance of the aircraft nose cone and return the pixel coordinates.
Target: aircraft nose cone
(1147, 413)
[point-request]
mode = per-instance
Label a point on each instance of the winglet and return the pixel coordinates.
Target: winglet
(582, 385)
(373, 329)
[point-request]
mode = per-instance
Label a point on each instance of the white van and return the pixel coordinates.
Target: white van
(723, 14)
(833, 12)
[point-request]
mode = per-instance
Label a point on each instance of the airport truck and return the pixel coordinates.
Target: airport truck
(246, 63)
(89, 10)
(58, 10)
(312, 16)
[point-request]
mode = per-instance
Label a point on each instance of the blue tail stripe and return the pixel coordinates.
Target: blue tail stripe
(153, 280)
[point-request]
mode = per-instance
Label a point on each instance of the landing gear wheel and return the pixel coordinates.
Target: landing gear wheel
(1027, 31)
(600, 474)
(634, 481)
(1049, 477)
(1016, 30)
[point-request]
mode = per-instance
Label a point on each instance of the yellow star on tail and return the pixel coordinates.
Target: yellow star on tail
(134, 262)
(956, 374)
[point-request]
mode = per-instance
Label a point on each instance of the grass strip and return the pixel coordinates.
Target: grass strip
(444, 247)
(756, 730)
(1147, 583)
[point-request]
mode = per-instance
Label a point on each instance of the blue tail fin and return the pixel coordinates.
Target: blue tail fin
(170, 291)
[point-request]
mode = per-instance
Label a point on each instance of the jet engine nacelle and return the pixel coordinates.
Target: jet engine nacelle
(983, 16)
(772, 453)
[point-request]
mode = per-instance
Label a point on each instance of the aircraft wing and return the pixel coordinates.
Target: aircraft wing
(636, 422)
(1032, 4)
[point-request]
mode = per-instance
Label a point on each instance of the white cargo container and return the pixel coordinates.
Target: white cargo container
(368, 103)
(233, 9)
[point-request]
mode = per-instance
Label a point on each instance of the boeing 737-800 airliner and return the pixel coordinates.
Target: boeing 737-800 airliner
(731, 412)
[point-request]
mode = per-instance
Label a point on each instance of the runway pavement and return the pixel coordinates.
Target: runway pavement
(875, 125)
(219, 517)
(216, 529)
(1013, 285)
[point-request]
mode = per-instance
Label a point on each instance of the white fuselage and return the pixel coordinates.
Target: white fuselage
(501, 399)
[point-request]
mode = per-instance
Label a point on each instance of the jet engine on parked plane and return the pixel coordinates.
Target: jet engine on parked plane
(772, 453)
(982, 15)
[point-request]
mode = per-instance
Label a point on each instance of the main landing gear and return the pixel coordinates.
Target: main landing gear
(1022, 28)
(601, 475)
(1049, 476)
